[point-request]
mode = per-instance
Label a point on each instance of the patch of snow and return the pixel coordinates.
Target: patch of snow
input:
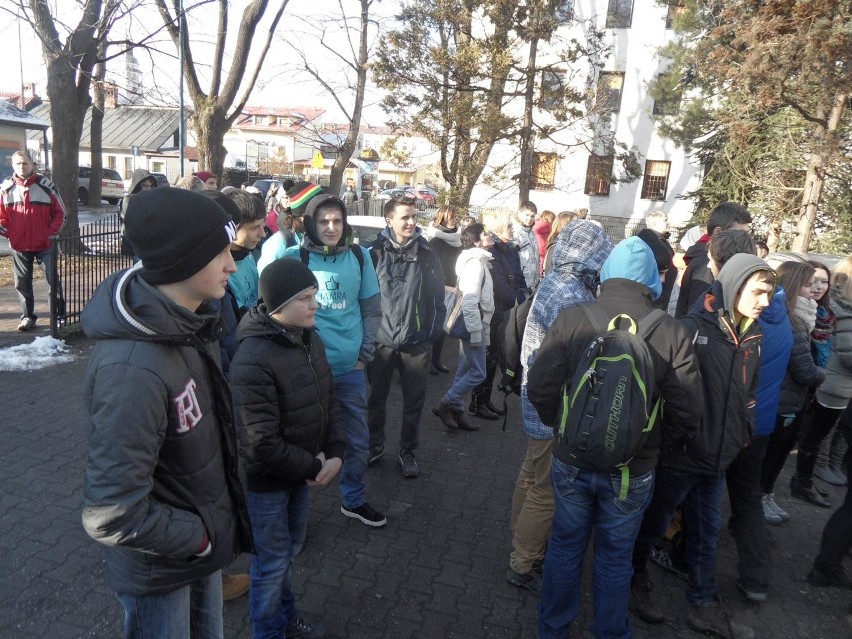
(41, 353)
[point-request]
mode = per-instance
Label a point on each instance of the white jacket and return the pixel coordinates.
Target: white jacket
(474, 273)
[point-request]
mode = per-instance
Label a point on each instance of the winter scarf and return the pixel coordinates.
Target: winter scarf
(805, 313)
(821, 335)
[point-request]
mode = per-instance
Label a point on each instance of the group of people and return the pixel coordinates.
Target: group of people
(235, 368)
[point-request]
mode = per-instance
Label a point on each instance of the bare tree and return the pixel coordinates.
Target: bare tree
(69, 77)
(355, 59)
(212, 118)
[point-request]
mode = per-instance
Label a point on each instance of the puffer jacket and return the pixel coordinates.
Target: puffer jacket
(412, 285)
(729, 359)
(510, 287)
(162, 463)
(836, 390)
(776, 345)
(632, 278)
(802, 375)
(475, 283)
(284, 403)
(30, 212)
(579, 253)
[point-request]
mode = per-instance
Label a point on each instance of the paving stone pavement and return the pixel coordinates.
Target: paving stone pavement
(436, 570)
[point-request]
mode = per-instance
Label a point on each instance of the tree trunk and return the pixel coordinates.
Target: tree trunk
(525, 180)
(815, 177)
(96, 131)
(210, 124)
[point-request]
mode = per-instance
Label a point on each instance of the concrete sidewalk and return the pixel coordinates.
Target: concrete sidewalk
(436, 570)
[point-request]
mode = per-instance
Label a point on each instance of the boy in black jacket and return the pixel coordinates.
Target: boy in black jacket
(727, 339)
(290, 431)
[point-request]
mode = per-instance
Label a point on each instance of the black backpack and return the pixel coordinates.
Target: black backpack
(608, 409)
(509, 350)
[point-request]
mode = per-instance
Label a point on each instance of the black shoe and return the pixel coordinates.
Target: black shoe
(376, 453)
(804, 489)
(530, 580)
(301, 629)
(408, 463)
(711, 620)
(642, 602)
(835, 579)
(438, 367)
(461, 420)
(366, 514)
(482, 411)
(751, 594)
(497, 411)
(446, 415)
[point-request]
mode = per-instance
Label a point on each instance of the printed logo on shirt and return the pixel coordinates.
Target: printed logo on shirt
(188, 410)
(333, 297)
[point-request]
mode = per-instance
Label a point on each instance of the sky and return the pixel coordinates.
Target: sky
(279, 84)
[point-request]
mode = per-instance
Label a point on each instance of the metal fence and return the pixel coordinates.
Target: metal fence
(81, 263)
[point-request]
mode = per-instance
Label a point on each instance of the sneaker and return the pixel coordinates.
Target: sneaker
(769, 513)
(662, 557)
(530, 580)
(642, 603)
(836, 578)
(751, 594)
(366, 514)
(408, 463)
(301, 629)
(234, 586)
(376, 453)
(27, 323)
(711, 620)
(783, 514)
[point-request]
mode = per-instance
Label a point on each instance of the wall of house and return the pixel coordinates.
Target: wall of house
(632, 52)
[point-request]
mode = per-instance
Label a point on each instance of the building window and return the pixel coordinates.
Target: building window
(608, 96)
(619, 14)
(111, 162)
(676, 9)
(598, 175)
(564, 11)
(552, 90)
(543, 172)
(157, 167)
(669, 101)
(128, 168)
(656, 180)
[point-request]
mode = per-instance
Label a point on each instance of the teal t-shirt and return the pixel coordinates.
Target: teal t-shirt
(273, 248)
(342, 284)
(243, 283)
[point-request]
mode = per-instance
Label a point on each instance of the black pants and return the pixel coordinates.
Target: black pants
(818, 423)
(781, 442)
(837, 535)
(748, 523)
(437, 347)
(482, 393)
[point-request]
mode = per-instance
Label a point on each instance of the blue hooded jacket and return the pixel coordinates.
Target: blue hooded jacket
(632, 259)
(774, 355)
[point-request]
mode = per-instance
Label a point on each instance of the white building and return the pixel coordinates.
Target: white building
(568, 176)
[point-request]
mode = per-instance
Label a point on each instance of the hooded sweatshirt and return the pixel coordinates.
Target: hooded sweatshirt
(628, 277)
(474, 277)
(349, 301)
(578, 255)
(161, 473)
(729, 357)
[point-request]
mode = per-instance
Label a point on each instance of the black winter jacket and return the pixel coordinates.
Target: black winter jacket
(802, 375)
(412, 284)
(284, 404)
(675, 369)
(509, 284)
(697, 278)
(729, 360)
(162, 462)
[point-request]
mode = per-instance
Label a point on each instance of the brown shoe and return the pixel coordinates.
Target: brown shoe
(234, 586)
(461, 420)
(446, 415)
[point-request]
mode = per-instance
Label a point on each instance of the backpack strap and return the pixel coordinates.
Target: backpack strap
(649, 323)
(596, 316)
(355, 249)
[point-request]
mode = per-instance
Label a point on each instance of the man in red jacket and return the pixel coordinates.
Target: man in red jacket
(30, 212)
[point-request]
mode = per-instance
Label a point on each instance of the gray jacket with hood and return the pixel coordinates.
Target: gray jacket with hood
(161, 474)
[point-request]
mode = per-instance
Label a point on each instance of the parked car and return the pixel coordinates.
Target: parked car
(264, 185)
(112, 185)
(424, 196)
(162, 180)
(392, 194)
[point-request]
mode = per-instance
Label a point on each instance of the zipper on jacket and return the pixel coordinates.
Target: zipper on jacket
(307, 350)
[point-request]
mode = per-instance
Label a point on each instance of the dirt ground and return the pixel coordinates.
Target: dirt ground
(6, 270)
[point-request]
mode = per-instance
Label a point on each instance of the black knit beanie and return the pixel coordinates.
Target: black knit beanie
(176, 233)
(282, 280)
(300, 194)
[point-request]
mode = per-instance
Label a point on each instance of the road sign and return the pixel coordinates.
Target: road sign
(134, 150)
(318, 162)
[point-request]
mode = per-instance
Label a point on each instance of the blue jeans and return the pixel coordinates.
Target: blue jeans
(470, 371)
(351, 393)
(279, 522)
(23, 265)
(584, 499)
(192, 611)
(702, 497)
